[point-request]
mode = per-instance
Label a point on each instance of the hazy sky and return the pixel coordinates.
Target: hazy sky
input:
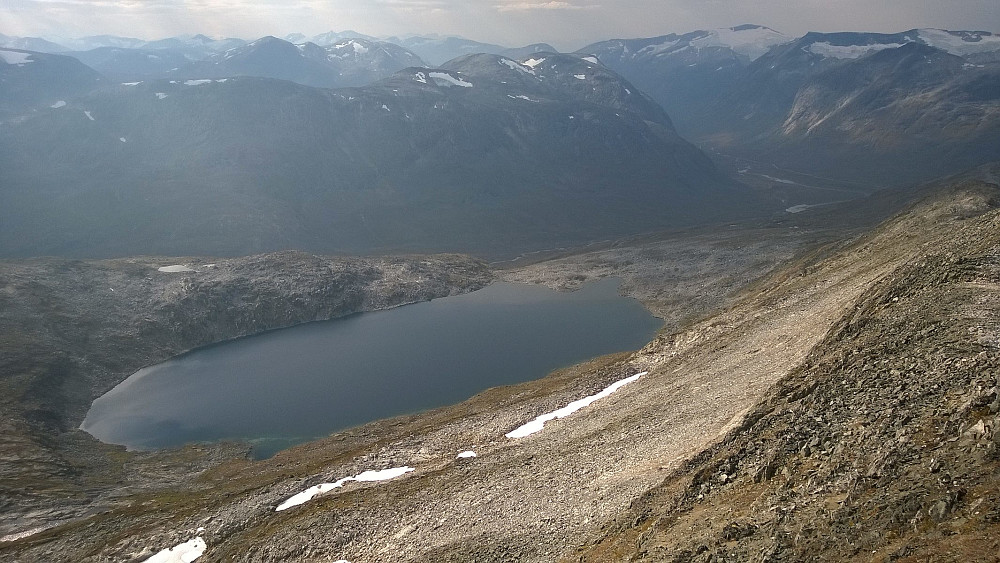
(567, 24)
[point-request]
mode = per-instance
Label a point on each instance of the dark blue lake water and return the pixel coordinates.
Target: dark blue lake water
(288, 386)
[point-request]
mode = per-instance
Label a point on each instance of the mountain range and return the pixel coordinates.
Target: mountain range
(485, 154)
(884, 108)
(200, 145)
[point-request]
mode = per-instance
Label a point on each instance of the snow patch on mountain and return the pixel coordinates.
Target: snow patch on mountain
(538, 423)
(827, 49)
(175, 269)
(750, 41)
(59, 104)
(182, 553)
(449, 79)
(516, 66)
(15, 57)
(533, 62)
(960, 43)
(370, 476)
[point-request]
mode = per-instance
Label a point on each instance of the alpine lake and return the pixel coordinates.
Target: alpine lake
(292, 385)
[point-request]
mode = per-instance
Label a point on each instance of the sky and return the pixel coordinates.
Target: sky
(565, 24)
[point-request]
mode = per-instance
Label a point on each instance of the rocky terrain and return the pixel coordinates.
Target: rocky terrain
(842, 404)
(881, 445)
(70, 330)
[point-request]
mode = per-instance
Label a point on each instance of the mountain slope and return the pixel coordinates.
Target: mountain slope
(886, 109)
(488, 155)
(885, 318)
(882, 445)
(30, 81)
(687, 73)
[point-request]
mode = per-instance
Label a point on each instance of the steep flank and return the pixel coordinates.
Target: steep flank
(882, 445)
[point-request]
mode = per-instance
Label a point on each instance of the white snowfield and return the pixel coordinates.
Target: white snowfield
(592, 59)
(15, 58)
(580, 76)
(538, 423)
(752, 43)
(308, 494)
(533, 62)
(450, 79)
(826, 49)
(954, 43)
(90, 117)
(175, 269)
(59, 104)
(161, 95)
(183, 553)
(466, 455)
(513, 65)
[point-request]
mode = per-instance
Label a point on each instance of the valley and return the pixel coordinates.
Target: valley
(814, 217)
(577, 474)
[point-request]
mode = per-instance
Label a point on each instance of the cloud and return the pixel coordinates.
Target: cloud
(552, 5)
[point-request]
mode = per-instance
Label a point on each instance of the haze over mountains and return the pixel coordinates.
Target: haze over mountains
(200, 145)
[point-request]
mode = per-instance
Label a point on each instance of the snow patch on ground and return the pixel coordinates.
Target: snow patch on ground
(176, 268)
(122, 139)
(59, 104)
(450, 79)
(466, 455)
(21, 535)
(521, 97)
(580, 76)
(798, 208)
(538, 423)
(420, 77)
(779, 180)
(161, 95)
(533, 62)
(592, 59)
(198, 82)
(131, 83)
(90, 117)
(308, 494)
(15, 58)
(183, 553)
(826, 49)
